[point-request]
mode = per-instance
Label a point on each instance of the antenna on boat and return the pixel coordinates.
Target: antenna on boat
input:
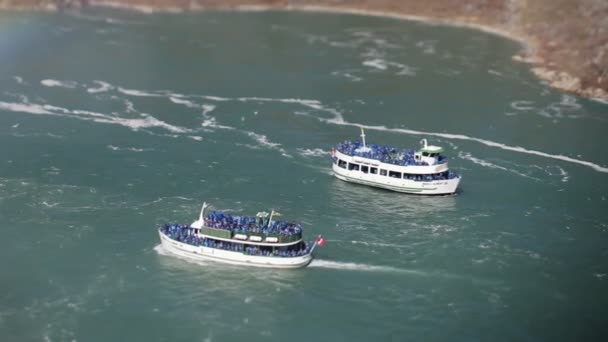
(423, 142)
(363, 137)
(363, 148)
(200, 217)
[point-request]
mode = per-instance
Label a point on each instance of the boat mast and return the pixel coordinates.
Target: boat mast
(363, 137)
(270, 218)
(423, 142)
(200, 217)
(363, 148)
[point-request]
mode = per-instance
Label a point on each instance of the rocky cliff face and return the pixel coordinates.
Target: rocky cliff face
(567, 39)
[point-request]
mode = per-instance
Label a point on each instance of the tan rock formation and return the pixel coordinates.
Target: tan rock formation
(567, 40)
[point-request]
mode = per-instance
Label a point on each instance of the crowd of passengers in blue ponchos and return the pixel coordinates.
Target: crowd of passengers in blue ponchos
(245, 224)
(185, 234)
(383, 153)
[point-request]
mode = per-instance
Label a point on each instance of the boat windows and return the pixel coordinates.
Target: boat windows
(373, 170)
(382, 172)
(342, 163)
(394, 174)
(353, 167)
(364, 169)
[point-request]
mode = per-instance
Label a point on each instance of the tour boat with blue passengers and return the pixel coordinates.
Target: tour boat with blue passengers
(240, 240)
(423, 172)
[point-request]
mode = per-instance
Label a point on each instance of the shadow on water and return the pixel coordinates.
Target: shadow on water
(222, 277)
(377, 201)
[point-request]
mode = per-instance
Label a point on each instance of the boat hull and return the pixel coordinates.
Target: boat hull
(434, 187)
(202, 253)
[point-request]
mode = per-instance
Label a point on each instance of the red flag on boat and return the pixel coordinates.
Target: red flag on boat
(320, 240)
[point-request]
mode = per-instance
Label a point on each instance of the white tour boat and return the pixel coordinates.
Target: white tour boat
(422, 172)
(240, 240)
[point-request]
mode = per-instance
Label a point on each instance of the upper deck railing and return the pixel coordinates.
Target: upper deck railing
(385, 154)
(228, 226)
(186, 234)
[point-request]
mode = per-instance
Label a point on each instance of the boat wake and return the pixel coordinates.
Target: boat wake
(317, 152)
(61, 84)
(489, 143)
(335, 116)
(351, 266)
(485, 163)
(160, 250)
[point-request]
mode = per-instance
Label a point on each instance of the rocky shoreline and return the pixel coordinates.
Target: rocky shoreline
(566, 41)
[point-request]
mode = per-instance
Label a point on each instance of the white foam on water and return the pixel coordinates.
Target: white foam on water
(131, 149)
(135, 124)
(101, 87)
(287, 100)
(55, 108)
(338, 120)
(427, 46)
(600, 100)
(194, 137)
(382, 64)
(24, 108)
(88, 113)
(554, 110)
(211, 122)
(494, 72)
(264, 142)
(207, 108)
(569, 101)
(61, 84)
(140, 93)
(522, 105)
(160, 250)
(405, 70)
(129, 106)
(347, 75)
(184, 102)
(147, 122)
(19, 79)
(469, 157)
(560, 172)
(317, 152)
(564, 174)
(351, 266)
(379, 64)
(215, 98)
(379, 244)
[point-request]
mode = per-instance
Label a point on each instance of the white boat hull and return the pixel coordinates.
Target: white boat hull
(202, 253)
(433, 187)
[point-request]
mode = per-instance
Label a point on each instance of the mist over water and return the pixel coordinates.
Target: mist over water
(113, 122)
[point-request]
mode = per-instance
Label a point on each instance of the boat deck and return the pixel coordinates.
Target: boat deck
(383, 153)
(185, 234)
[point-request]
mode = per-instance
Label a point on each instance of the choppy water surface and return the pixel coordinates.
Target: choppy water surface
(114, 122)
